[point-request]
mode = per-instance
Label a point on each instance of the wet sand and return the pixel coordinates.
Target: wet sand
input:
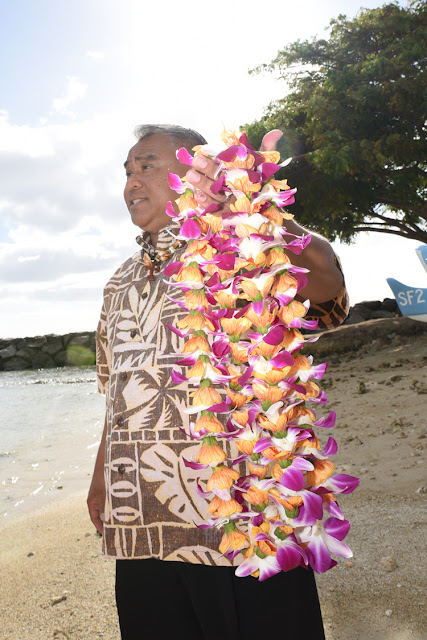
(55, 584)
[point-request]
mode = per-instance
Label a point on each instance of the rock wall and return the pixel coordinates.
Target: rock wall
(42, 352)
(373, 310)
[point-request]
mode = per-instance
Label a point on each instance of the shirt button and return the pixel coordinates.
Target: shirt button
(119, 421)
(133, 333)
(121, 469)
(123, 376)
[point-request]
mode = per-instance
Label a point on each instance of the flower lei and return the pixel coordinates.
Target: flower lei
(242, 334)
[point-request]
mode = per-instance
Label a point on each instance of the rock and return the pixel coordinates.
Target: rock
(373, 305)
(381, 314)
(53, 346)
(355, 318)
(389, 612)
(26, 354)
(362, 388)
(422, 489)
(81, 339)
(16, 364)
(37, 342)
(58, 599)
(390, 304)
(30, 554)
(8, 352)
(349, 564)
(388, 563)
(61, 359)
(42, 360)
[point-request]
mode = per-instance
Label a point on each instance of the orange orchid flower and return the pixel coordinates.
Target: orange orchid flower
(190, 273)
(209, 422)
(196, 342)
(257, 497)
(187, 201)
(237, 399)
(244, 230)
(222, 478)
(233, 540)
(279, 426)
(271, 156)
(239, 163)
(312, 390)
(239, 353)
(283, 283)
(206, 395)
(224, 508)
(211, 453)
(234, 327)
(263, 320)
(279, 185)
(195, 320)
(322, 470)
(277, 255)
(196, 298)
(256, 470)
(242, 205)
(202, 248)
(210, 222)
(290, 311)
(268, 395)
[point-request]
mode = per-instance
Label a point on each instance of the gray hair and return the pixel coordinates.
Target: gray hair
(180, 136)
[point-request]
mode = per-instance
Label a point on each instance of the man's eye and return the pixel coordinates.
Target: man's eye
(146, 166)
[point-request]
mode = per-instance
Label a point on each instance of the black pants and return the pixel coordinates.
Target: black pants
(206, 603)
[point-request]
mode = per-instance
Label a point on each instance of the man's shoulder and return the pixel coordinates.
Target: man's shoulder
(125, 271)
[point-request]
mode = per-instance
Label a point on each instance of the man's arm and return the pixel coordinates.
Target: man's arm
(325, 280)
(96, 495)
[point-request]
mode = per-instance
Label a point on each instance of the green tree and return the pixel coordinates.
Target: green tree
(354, 121)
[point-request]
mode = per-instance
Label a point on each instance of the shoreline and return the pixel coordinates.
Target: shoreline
(66, 588)
(51, 561)
(53, 350)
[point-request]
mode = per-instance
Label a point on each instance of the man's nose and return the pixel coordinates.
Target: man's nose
(135, 180)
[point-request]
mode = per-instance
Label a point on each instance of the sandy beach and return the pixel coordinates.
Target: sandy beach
(55, 584)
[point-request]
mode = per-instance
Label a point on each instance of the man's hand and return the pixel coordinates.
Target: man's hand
(96, 496)
(96, 499)
(207, 173)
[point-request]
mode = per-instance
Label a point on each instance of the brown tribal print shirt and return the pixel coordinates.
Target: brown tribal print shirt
(152, 508)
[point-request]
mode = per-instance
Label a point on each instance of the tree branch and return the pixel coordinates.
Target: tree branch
(422, 237)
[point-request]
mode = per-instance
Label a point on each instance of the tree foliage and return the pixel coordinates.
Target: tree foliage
(355, 122)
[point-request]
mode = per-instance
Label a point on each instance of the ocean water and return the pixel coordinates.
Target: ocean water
(51, 422)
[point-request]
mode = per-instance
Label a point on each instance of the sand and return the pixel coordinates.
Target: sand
(55, 584)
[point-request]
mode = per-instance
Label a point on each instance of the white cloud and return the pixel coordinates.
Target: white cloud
(28, 258)
(75, 90)
(95, 55)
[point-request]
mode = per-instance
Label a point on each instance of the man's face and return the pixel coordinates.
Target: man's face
(147, 190)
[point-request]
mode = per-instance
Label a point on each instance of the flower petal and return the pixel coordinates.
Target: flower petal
(336, 528)
(175, 182)
(190, 230)
(184, 157)
(289, 556)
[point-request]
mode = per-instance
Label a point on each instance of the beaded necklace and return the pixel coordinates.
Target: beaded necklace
(153, 256)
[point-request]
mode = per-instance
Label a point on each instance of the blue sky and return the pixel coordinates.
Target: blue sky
(75, 79)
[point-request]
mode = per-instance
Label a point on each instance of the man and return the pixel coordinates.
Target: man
(170, 577)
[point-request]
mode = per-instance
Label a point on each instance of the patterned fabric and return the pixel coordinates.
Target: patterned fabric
(332, 313)
(152, 506)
